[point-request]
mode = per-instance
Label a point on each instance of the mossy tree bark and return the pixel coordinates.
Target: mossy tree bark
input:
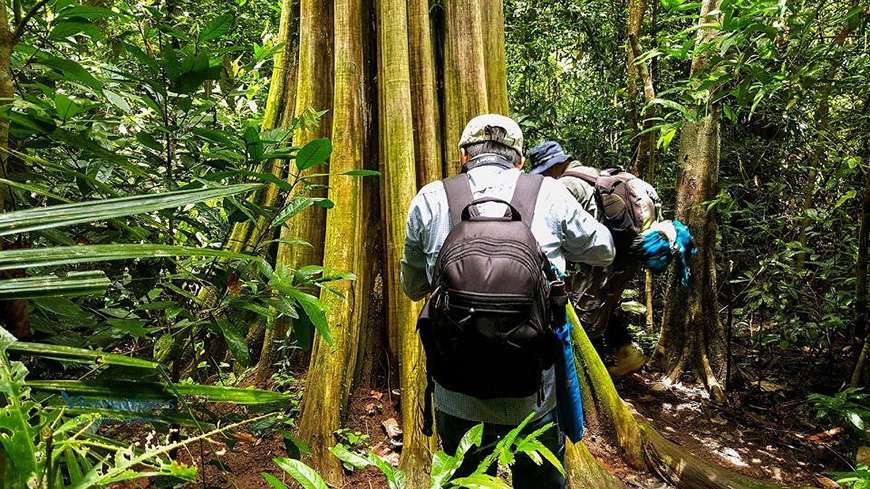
(331, 370)
(642, 446)
(277, 113)
(314, 91)
(465, 79)
(492, 19)
(427, 137)
(692, 339)
(399, 177)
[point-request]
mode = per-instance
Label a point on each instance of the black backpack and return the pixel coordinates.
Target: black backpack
(487, 327)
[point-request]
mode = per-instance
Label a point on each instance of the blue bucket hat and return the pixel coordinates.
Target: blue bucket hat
(547, 155)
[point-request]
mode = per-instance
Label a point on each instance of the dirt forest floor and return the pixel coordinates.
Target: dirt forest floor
(761, 433)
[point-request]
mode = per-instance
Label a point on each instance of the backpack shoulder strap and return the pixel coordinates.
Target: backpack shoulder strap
(526, 196)
(586, 177)
(458, 190)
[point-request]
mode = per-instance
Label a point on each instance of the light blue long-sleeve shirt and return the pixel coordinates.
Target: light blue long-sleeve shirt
(563, 229)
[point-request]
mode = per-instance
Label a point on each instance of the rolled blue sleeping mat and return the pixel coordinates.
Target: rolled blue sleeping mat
(569, 400)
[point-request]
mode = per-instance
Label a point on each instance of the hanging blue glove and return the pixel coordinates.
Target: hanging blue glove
(664, 240)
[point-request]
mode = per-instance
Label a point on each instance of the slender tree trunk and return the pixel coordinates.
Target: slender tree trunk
(465, 80)
(492, 19)
(13, 313)
(636, 10)
(646, 154)
(331, 371)
(818, 159)
(397, 159)
(427, 137)
(861, 373)
(692, 337)
(314, 91)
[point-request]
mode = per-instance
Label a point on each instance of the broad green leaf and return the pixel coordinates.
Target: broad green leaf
(316, 152)
(71, 70)
(217, 27)
(74, 284)
(314, 310)
(98, 357)
(295, 206)
(133, 327)
(845, 198)
(67, 255)
(65, 29)
(481, 481)
(351, 459)
(139, 390)
(443, 467)
(323, 202)
(65, 107)
(235, 340)
(362, 173)
(86, 12)
(395, 477)
(117, 100)
(60, 306)
(272, 481)
(670, 104)
(856, 420)
(97, 210)
(307, 477)
(472, 438)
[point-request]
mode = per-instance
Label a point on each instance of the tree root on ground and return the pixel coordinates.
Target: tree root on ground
(643, 447)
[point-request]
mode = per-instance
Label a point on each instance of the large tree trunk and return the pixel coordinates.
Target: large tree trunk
(331, 372)
(314, 91)
(692, 338)
(492, 18)
(278, 113)
(427, 137)
(399, 183)
(465, 80)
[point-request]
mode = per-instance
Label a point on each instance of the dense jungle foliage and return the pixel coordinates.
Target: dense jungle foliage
(154, 165)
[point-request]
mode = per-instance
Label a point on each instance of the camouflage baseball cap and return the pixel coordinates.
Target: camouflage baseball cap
(479, 130)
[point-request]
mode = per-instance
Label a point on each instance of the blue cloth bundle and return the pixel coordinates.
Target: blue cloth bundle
(569, 400)
(664, 240)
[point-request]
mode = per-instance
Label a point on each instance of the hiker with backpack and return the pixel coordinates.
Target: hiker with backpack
(488, 246)
(631, 210)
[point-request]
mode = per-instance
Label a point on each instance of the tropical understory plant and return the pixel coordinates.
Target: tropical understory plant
(49, 428)
(513, 444)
